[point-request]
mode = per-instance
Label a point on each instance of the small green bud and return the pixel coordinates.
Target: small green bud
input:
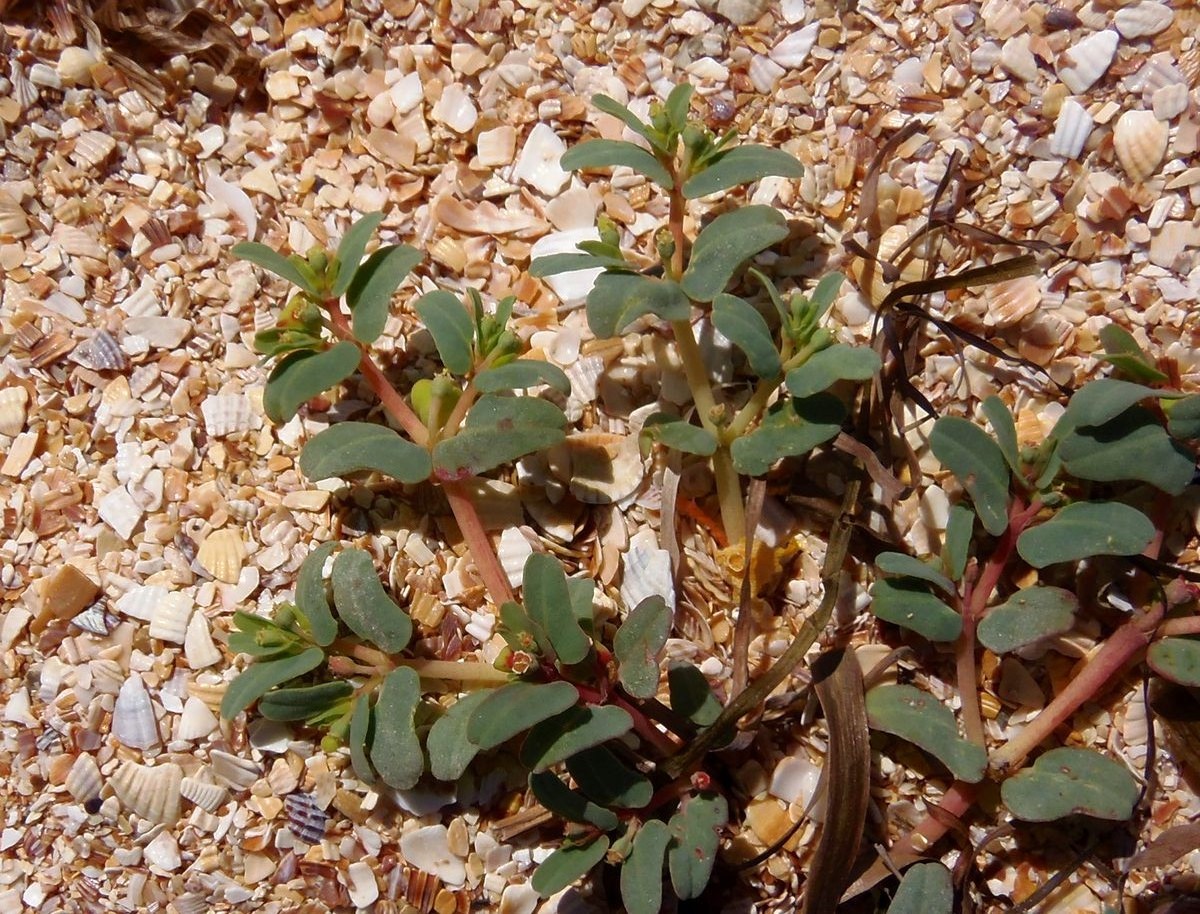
(664, 242)
(433, 399)
(609, 233)
(330, 743)
(318, 259)
(506, 348)
(821, 339)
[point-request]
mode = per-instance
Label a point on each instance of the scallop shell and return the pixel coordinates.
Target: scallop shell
(1086, 61)
(13, 407)
(305, 818)
(207, 795)
(1071, 130)
(228, 414)
(133, 720)
(600, 468)
(1169, 101)
(93, 147)
(198, 646)
(1008, 302)
(235, 771)
(1140, 141)
(84, 780)
(196, 721)
(170, 619)
(100, 353)
(150, 792)
(222, 555)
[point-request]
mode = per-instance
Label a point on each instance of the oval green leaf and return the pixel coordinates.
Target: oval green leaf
(350, 251)
(312, 596)
(364, 605)
(575, 729)
(450, 326)
(978, 464)
(741, 165)
(642, 874)
(395, 752)
(1026, 617)
(1176, 659)
(1183, 418)
(569, 262)
(303, 702)
(370, 294)
(956, 547)
(899, 563)
(268, 259)
(1069, 781)
(1005, 430)
(691, 695)
(790, 429)
(1085, 529)
(725, 244)
(450, 752)
(618, 299)
(359, 738)
(514, 708)
(264, 675)
(696, 835)
(638, 643)
(521, 374)
(570, 804)
(549, 606)
(631, 120)
(498, 430)
(1132, 446)
(351, 447)
(908, 603)
(566, 865)
(302, 375)
(606, 779)
(1124, 353)
(679, 434)
(1098, 402)
(747, 329)
(608, 153)
(836, 363)
(921, 719)
(925, 889)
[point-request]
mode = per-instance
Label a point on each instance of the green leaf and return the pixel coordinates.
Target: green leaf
(364, 605)
(607, 780)
(359, 738)
(268, 259)
(978, 464)
(582, 591)
(1098, 402)
(741, 165)
(351, 447)
(925, 889)
(261, 638)
(1027, 616)
(1068, 781)
(826, 292)
(395, 751)
(899, 563)
(631, 120)
(725, 244)
(264, 675)
(956, 546)
(303, 702)
(521, 374)
(569, 262)
(370, 294)
(1132, 446)
(350, 251)
(741, 323)
(908, 603)
(790, 429)
(276, 341)
(450, 326)
(312, 596)
(678, 102)
(642, 874)
(450, 752)
(1123, 351)
(516, 628)
(1005, 430)
(607, 153)
(549, 606)
(618, 299)
(570, 804)
(1183, 418)
(575, 729)
(302, 375)
(679, 434)
(498, 430)
(835, 363)
(638, 643)
(514, 708)
(696, 835)
(567, 864)
(1085, 529)
(691, 695)
(1176, 659)
(921, 719)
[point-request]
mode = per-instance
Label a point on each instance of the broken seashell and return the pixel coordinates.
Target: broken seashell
(196, 721)
(362, 885)
(222, 555)
(1142, 19)
(1071, 130)
(75, 66)
(1169, 101)
(204, 793)
(13, 406)
(740, 12)
(133, 720)
(600, 468)
(96, 619)
(765, 73)
(228, 414)
(647, 571)
(239, 773)
(455, 109)
(792, 50)
(84, 780)
(170, 620)
(305, 818)
(428, 849)
(1008, 302)
(537, 165)
(141, 602)
(92, 147)
(151, 792)
(1140, 141)
(1083, 63)
(513, 550)
(100, 353)
(497, 146)
(120, 511)
(198, 646)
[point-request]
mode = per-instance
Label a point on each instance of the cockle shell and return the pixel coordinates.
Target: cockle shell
(1140, 141)
(93, 147)
(141, 602)
(1071, 130)
(133, 720)
(204, 793)
(84, 780)
(305, 818)
(170, 619)
(150, 792)
(222, 555)
(1010, 301)
(228, 414)
(13, 405)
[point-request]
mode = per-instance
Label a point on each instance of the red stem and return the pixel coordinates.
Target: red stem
(642, 725)
(479, 544)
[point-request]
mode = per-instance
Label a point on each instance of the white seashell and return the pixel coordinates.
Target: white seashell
(455, 109)
(428, 849)
(235, 771)
(92, 147)
(13, 405)
(708, 70)
(236, 200)
(1071, 130)
(228, 414)
(407, 93)
(197, 720)
(518, 898)
(537, 165)
(190, 903)
(795, 779)
(222, 555)
(1008, 302)
(162, 853)
(160, 332)
(305, 818)
(207, 795)
(646, 572)
(141, 602)
(1140, 141)
(793, 10)
(742, 12)
(513, 550)
(133, 720)
(361, 884)
(84, 780)
(599, 468)
(765, 73)
(100, 353)
(1169, 101)
(1141, 19)
(1158, 71)
(1086, 61)
(170, 620)
(584, 375)
(1002, 18)
(497, 146)
(150, 792)
(1017, 58)
(572, 209)
(573, 287)
(793, 48)
(75, 66)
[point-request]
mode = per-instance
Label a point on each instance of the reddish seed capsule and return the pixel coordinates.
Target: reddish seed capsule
(701, 781)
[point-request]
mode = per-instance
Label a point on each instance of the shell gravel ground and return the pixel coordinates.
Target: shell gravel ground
(144, 497)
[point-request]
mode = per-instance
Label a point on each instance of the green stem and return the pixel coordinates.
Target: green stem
(456, 670)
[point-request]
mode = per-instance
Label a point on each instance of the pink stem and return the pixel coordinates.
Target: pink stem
(479, 544)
